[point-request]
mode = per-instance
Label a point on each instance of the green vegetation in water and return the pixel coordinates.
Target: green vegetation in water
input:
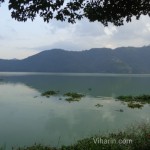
(72, 96)
(49, 93)
(141, 98)
(136, 137)
(98, 105)
(135, 101)
(135, 105)
(70, 99)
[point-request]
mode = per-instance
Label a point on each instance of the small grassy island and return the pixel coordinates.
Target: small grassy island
(49, 93)
(72, 96)
(135, 101)
(98, 105)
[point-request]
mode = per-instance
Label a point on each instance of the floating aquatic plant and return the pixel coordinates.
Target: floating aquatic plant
(49, 93)
(99, 105)
(135, 101)
(135, 105)
(72, 96)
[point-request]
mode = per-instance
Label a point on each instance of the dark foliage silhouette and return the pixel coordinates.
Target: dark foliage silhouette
(104, 11)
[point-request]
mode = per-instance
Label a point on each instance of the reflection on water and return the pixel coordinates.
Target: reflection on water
(26, 117)
(99, 84)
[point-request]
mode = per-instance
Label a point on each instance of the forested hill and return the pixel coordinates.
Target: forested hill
(95, 60)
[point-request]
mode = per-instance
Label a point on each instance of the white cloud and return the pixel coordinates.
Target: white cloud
(148, 26)
(110, 30)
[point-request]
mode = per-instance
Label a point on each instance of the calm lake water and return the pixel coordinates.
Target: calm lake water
(27, 118)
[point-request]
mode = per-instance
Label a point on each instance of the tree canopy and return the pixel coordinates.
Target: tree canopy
(104, 11)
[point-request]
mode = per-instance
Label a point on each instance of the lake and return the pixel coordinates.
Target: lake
(26, 117)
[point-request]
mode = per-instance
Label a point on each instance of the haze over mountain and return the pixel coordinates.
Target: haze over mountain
(95, 60)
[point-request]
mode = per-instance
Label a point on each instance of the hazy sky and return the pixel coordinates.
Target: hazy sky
(19, 39)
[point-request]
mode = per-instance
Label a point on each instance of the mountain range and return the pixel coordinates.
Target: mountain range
(96, 60)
